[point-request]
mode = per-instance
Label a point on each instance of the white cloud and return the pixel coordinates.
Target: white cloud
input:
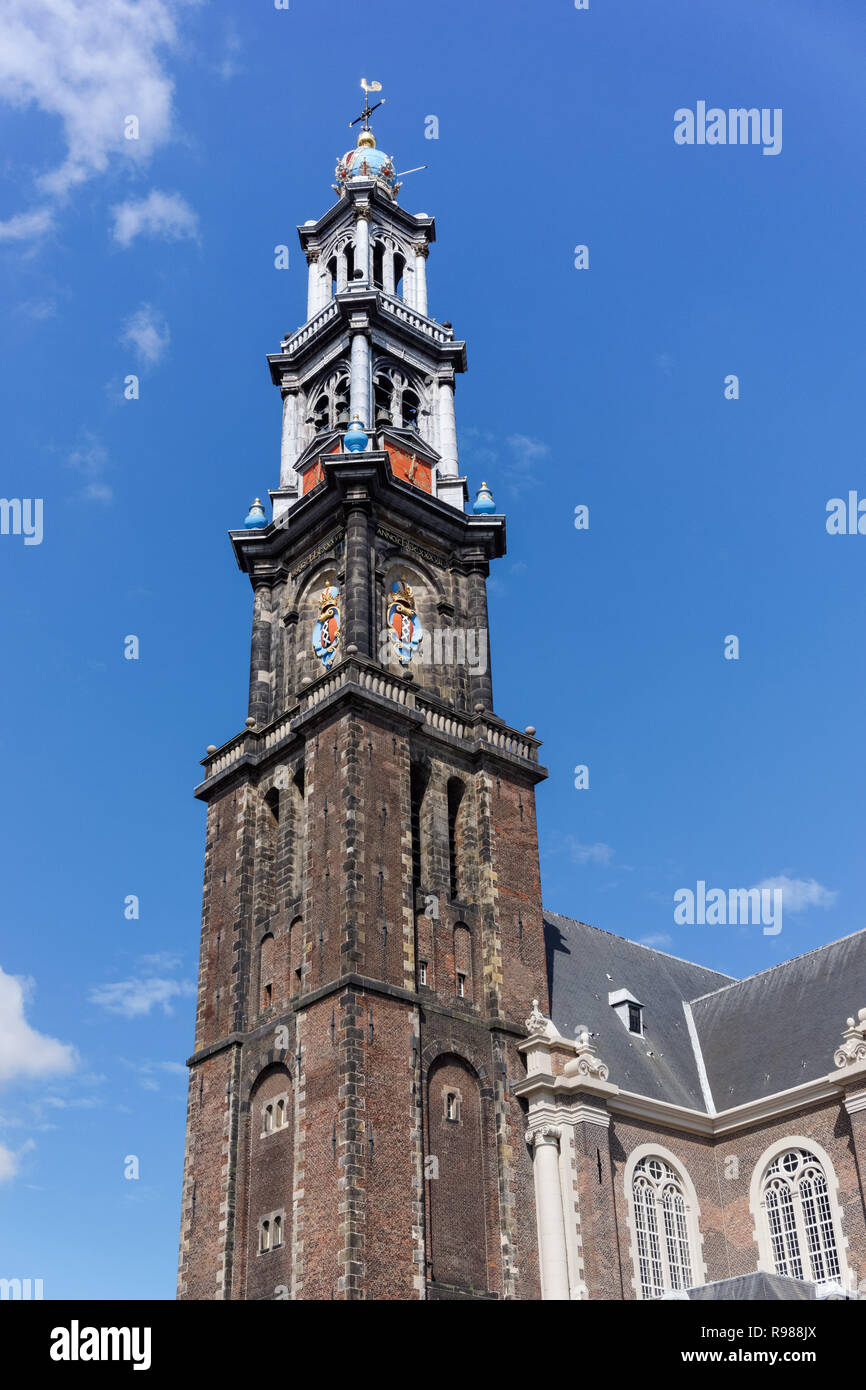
(90, 459)
(136, 998)
(161, 960)
(98, 492)
(799, 894)
(23, 1051)
(8, 1164)
(90, 64)
(166, 215)
(658, 939)
(589, 854)
(147, 333)
(526, 454)
(10, 1160)
(27, 226)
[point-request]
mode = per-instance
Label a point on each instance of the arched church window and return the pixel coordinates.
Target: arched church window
(798, 1212)
(663, 1224)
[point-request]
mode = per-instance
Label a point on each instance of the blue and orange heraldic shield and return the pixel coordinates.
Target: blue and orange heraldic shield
(326, 629)
(404, 625)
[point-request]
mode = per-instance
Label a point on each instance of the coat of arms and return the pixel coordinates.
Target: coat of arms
(326, 629)
(404, 625)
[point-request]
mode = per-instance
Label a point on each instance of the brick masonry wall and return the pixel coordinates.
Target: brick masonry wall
(721, 1171)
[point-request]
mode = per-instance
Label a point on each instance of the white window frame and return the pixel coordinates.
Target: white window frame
(757, 1204)
(272, 1106)
(692, 1214)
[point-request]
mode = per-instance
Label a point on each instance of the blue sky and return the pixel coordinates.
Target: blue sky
(602, 387)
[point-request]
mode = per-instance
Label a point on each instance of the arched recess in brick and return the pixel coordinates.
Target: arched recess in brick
(267, 854)
(296, 957)
(266, 972)
(266, 1184)
(462, 961)
(456, 1191)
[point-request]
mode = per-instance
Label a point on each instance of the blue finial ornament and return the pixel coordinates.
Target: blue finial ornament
(484, 503)
(256, 518)
(356, 439)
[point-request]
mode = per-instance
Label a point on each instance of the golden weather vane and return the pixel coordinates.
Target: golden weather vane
(368, 109)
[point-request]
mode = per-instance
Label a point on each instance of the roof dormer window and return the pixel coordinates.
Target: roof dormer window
(629, 1009)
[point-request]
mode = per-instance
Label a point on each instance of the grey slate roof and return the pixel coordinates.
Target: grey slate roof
(756, 1036)
(585, 964)
(759, 1288)
(780, 1028)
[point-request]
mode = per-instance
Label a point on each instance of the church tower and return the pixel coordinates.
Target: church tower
(372, 933)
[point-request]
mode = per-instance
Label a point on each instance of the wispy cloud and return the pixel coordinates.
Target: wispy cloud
(90, 64)
(799, 894)
(147, 333)
(90, 459)
(27, 226)
(521, 469)
(598, 853)
(150, 1073)
(169, 961)
(657, 939)
(10, 1160)
(229, 66)
(165, 215)
(24, 1052)
(515, 464)
(137, 997)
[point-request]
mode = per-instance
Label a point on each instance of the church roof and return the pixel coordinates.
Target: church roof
(750, 1038)
(585, 965)
(777, 1029)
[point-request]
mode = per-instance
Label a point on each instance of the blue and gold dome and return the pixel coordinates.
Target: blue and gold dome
(366, 162)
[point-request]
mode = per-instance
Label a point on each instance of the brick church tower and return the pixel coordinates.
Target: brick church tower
(372, 932)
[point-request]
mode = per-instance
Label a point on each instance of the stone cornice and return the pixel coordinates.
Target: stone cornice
(421, 515)
(478, 736)
(361, 984)
(385, 317)
(855, 1102)
(558, 1067)
(365, 192)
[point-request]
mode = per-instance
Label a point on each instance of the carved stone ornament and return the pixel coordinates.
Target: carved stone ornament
(537, 1022)
(586, 1061)
(543, 1134)
(853, 1049)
